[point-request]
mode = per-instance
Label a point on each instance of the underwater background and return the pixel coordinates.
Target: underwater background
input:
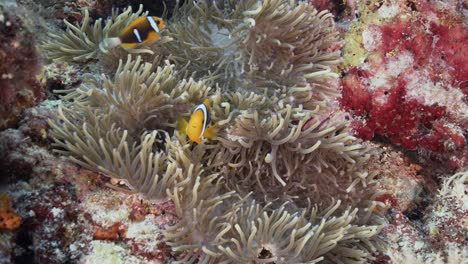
(233, 131)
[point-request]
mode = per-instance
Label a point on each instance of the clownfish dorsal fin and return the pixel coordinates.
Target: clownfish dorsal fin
(206, 102)
(135, 23)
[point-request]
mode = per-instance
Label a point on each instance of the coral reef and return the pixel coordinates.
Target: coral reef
(98, 172)
(269, 84)
(408, 64)
(21, 158)
(19, 63)
(50, 221)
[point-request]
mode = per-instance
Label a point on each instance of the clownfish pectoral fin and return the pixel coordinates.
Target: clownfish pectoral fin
(210, 132)
(137, 21)
(112, 42)
(181, 126)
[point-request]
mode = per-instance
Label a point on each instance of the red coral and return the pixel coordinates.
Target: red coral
(452, 48)
(406, 122)
(407, 35)
(410, 88)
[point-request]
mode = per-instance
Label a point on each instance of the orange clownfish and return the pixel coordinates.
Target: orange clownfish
(139, 31)
(197, 127)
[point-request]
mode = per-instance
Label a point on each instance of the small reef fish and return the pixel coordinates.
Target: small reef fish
(140, 31)
(197, 127)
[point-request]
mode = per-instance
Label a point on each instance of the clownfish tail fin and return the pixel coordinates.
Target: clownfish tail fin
(210, 132)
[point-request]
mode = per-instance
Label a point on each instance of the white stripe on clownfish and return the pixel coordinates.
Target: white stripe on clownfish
(153, 23)
(137, 34)
(202, 107)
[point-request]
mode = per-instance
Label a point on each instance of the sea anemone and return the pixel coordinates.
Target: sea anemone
(272, 64)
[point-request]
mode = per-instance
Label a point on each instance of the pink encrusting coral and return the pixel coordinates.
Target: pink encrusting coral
(412, 84)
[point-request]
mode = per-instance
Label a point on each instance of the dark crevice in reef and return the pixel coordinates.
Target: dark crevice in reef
(422, 202)
(24, 245)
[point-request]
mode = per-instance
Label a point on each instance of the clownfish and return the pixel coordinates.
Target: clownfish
(140, 31)
(197, 127)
